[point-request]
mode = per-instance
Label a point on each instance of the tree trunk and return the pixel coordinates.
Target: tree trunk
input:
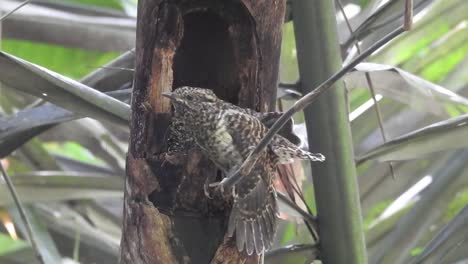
(335, 183)
(231, 47)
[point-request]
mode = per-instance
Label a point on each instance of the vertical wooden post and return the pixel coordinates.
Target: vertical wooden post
(231, 47)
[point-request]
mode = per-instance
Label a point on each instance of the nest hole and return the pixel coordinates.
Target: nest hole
(205, 57)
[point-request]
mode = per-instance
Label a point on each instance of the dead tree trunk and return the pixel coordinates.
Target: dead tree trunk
(231, 47)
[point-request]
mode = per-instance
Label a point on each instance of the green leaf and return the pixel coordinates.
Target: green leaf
(405, 87)
(357, 97)
(416, 251)
(374, 212)
(289, 233)
(73, 150)
(453, 235)
(440, 19)
(67, 222)
(58, 186)
(64, 92)
(289, 72)
(45, 243)
(411, 228)
(71, 62)
(439, 136)
(115, 4)
(437, 70)
(69, 25)
(377, 18)
(8, 245)
(456, 205)
(15, 130)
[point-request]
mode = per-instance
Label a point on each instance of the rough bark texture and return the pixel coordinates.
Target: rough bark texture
(229, 46)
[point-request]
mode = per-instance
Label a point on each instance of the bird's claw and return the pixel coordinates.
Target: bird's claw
(219, 187)
(206, 190)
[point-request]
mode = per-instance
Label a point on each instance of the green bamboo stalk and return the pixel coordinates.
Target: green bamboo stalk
(337, 195)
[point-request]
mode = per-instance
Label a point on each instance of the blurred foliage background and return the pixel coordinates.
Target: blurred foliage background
(68, 169)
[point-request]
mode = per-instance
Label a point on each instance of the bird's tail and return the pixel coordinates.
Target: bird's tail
(253, 217)
(302, 154)
(286, 151)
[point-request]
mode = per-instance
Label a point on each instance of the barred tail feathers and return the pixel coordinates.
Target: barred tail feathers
(287, 151)
(302, 154)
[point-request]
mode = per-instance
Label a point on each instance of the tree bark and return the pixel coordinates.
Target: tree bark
(231, 47)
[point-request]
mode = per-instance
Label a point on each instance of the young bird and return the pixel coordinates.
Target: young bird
(227, 134)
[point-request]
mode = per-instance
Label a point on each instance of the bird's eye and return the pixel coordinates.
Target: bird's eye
(189, 97)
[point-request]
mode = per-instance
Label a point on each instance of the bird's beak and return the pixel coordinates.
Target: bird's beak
(168, 95)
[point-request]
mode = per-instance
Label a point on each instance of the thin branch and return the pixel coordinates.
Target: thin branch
(300, 194)
(76, 246)
(291, 181)
(408, 15)
(307, 217)
(364, 29)
(309, 98)
(22, 213)
(370, 85)
(289, 89)
(115, 68)
(452, 249)
(14, 10)
(36, 103)
(367, 75)
(313, 249)
(289, 85)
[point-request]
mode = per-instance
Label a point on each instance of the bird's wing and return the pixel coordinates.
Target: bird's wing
(245, 130)
(253, 216)
(268, 119)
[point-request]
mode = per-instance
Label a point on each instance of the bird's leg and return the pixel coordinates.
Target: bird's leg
(206, 186)
(234, 176)
(225, 185)
(222, 186)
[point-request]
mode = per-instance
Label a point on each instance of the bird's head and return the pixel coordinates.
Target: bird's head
(190, 98)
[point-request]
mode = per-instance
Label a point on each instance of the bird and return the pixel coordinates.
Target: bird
(226, 134)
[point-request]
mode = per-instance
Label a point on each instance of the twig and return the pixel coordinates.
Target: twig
(76, 246)
(452, 249)
(115, 68)
(290, 89)
(364, 29)
(289, 85)
(308, 218)
(14, 10)
(246, 167)
(370, 85)
(313, 249)
(22, 213)
(408, 15)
